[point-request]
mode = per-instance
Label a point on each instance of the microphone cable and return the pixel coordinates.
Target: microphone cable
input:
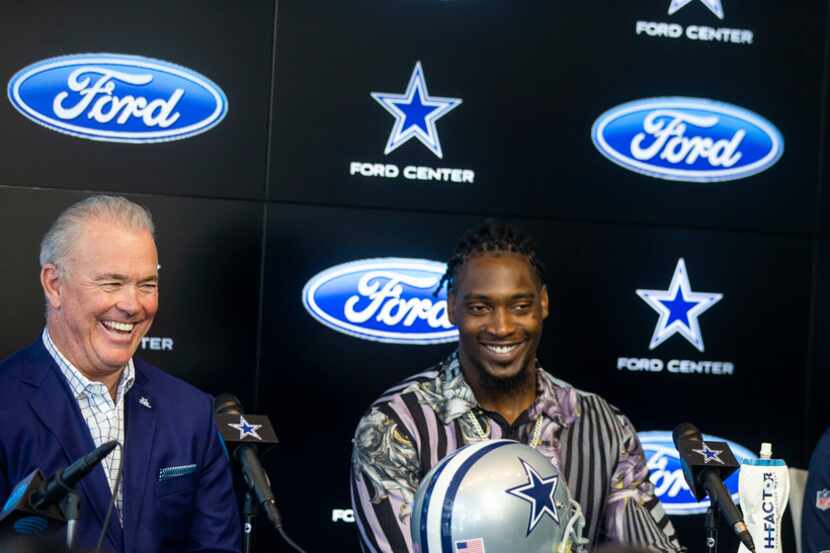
(289, 541)
(112, 499)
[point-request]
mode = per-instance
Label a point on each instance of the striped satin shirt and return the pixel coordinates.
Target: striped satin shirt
(415, 424)
(103, 416)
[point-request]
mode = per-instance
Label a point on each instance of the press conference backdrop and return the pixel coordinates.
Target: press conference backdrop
(667, 156)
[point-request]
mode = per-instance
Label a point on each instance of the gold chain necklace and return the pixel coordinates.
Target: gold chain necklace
(534, 441)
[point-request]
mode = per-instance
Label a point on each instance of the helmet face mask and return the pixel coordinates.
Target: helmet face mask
(495, 496)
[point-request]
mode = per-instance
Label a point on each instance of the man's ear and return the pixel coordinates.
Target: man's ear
(52, 283)
(544, 300)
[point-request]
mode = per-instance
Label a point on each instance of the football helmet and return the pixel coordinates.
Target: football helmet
(495, 496)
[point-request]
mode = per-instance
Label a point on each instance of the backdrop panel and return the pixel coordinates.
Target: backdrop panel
(743, 380)
(205, 330)
(459, 106)
(229, 44)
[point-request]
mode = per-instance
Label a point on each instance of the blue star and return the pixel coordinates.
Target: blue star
(246, 429)
(415, 113)
(679, 308)
(709, 454)
(714, 6)
(539, 492)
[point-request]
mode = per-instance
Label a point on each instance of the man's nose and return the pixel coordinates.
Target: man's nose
(128, 299)
(501, 323)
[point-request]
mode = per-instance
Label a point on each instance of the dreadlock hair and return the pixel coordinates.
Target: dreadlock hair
(491, 236)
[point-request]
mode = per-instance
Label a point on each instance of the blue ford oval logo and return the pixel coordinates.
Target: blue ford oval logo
(117, 98)
(687, 139)
(666, 473)
(385, 300)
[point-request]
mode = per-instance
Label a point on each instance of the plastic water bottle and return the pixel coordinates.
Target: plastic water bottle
(764, 488)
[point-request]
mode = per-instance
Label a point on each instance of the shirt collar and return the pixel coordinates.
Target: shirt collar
(80, 384)
(556, 399)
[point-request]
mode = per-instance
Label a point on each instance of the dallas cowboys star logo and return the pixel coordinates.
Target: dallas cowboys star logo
(679, 308)
(246, 429)
(714, 6)
(709, 454)
(539, 493)
(415, 113)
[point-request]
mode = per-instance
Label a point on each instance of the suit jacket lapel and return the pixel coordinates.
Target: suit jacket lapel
(140, 415)
(58, 410)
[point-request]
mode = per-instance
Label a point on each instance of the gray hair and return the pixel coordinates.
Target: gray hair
(65, 231)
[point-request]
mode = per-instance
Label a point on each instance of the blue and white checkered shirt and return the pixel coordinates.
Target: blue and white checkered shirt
(104, 417)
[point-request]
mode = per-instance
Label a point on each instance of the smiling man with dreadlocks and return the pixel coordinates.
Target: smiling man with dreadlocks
(493, 387)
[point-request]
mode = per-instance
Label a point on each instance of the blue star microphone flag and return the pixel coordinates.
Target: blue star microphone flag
(706, 465)
(245, 433)
(238, 428)
(697, 456)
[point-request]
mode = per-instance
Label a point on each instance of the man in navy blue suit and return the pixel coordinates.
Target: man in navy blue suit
(815, 514)
(79, 386)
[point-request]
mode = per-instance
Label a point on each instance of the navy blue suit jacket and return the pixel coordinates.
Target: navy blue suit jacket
(815, 515)
(42, 428)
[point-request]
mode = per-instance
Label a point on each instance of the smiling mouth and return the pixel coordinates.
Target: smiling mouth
(119, 327)
(502, 349)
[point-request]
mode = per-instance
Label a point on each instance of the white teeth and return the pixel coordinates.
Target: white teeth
(123, 327)
(501, 349)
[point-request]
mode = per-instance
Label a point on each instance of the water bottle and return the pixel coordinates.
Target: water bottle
(764, 488)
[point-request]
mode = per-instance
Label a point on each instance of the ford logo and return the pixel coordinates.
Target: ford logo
(666, 473)
(385, 300)
(117, 98)
(687, 139)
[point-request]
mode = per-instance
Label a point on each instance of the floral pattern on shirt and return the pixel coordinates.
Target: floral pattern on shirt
(386, 457)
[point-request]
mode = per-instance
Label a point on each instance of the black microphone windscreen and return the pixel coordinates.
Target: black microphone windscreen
(95, 456)
(686, 431)
(105, 448)
(85, 464)
(56, 488)
(227, 404)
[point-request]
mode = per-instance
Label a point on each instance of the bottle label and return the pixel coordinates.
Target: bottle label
(764, 491)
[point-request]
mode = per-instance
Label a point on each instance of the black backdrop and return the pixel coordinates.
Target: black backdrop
(249, 211)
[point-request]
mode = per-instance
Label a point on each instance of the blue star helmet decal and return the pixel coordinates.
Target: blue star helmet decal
(539, 492)
(415, 113)
(679, 308)
(709, 454)
(246, 429)
(714, 6)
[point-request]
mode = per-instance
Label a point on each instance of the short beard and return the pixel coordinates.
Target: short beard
(503, 386)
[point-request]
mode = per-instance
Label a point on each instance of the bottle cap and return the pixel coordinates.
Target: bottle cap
(766, 450)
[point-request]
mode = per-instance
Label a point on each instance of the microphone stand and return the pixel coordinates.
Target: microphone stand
(711, 525)
(71, 510)
(249, 512)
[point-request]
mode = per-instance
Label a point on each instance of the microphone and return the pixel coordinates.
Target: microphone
(35, 505)
(61, 483)
(696, 456)
(251, 428)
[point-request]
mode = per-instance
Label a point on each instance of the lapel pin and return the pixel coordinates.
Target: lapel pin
(145, 402)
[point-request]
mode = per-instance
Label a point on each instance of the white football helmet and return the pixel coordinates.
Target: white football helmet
(495, 496)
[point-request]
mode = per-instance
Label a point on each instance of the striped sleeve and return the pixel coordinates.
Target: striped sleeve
(634, 515)
(385, 473)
